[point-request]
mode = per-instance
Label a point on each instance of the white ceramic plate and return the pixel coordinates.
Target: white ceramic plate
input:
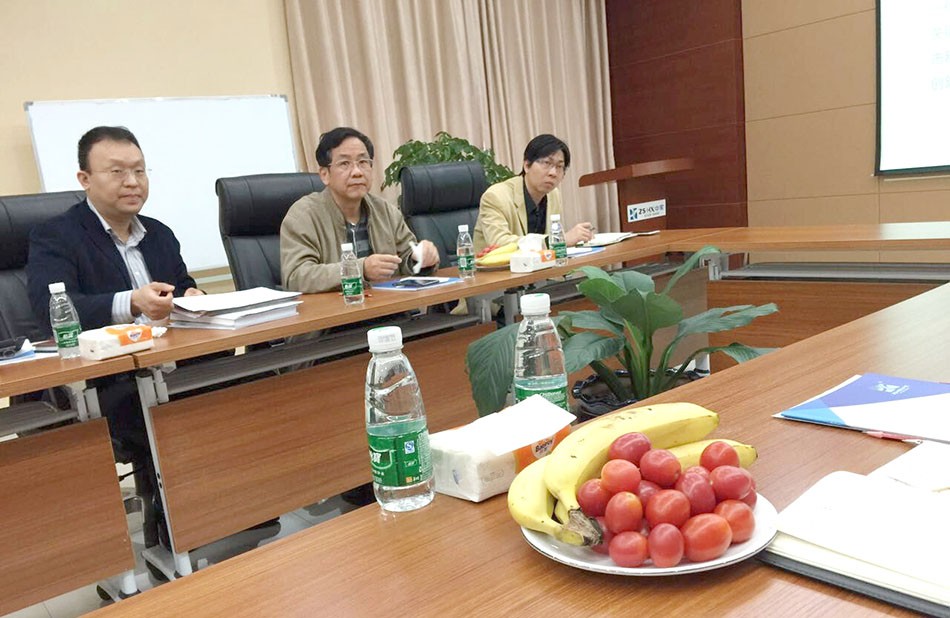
(585, 558)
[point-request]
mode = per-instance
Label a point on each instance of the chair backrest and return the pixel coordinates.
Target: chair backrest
(436, 199)
(18, 215)
(251, 209)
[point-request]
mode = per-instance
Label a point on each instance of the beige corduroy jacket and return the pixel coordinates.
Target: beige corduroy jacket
(502, 217)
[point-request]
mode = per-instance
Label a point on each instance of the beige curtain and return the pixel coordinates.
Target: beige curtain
(496, 72)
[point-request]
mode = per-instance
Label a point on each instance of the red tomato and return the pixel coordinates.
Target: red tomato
(668, 506)
(740, 518)
(702, 498)
(660, 466)
(665, 545)
(706, 537)
(624, 512)
(751, 497)
(718, 454)
(620, 475)
(607, 535)
(646, 490)
(629, 446)
(593, 498)
(628, 549)
(730, 482)
(697, 470)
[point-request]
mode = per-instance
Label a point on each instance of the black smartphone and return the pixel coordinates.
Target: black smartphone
(418, 282)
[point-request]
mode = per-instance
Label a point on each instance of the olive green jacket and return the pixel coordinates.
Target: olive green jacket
(502, 217)
(313, 230)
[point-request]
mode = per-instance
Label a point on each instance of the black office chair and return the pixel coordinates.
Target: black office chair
(436, 199)
(251, 209)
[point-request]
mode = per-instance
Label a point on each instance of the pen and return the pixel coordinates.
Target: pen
(884, 435)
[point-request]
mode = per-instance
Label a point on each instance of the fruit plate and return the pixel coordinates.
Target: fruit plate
(585, 558)
(504, 266)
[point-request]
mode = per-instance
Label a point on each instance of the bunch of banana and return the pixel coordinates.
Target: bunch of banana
(499, 256)
(584, 452)
(531, 505)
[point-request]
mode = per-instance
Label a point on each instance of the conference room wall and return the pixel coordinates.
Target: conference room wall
(102, 49)
(810, 111)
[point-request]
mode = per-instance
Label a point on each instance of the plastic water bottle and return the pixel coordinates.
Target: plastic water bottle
(466, 253)
(396, 426)
(351, 276)
(539, 359)
(64, 320)
(556, 241)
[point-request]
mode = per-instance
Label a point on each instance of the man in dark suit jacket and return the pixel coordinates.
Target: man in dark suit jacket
(118, 267)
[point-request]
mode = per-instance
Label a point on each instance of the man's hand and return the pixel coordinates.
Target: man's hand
(380, 266)
(582, 232)
(194, 292)
(430, 254)
(153, 299)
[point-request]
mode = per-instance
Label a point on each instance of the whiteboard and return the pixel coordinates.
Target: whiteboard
(188, 143)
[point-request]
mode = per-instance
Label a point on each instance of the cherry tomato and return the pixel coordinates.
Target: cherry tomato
(706, 537)
(668, 506)
(628, 549)
(624, 512)
(697, 470)
(646, 490)
(660, 466)
(593, 498)
(665, 545)
(730, 482)
(751, 497)
(740, 518)
(620, 475)
(607, 535)
(718, 454)
(629, 446)
(702, 498)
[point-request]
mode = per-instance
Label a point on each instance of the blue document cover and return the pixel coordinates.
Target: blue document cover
(874, 402)
(414, 284)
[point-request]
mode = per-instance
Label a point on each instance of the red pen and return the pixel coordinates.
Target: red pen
(885, 435)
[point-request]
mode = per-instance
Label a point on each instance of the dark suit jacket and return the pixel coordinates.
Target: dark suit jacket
(75, 249)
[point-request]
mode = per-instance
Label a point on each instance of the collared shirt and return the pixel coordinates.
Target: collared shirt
(134, 263)
(358, 234)
(537, 213)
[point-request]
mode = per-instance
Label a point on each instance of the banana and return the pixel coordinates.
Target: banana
(688, 454)
(531, 505)
(560, 512)
(499, 256)
(582, 454)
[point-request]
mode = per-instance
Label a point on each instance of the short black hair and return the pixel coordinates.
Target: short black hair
(332, 139)
(98, 134)
(544, 145)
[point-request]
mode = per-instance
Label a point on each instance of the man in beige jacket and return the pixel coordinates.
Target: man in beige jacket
(524, 204)
(317, 224)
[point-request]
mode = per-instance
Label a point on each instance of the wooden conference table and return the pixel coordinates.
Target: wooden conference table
(458, 558)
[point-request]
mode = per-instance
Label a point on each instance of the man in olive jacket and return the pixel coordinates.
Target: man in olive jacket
(317, 224)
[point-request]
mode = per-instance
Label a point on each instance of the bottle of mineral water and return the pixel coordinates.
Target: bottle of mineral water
(556, 241)
(539, 359)
(64, 320)
(351, 276)
(465, 253)
(396, 426)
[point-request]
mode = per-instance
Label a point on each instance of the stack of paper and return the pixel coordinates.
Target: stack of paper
(233, 310)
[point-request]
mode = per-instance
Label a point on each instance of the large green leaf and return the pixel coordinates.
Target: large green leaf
(583, 348)
(689, 265)
(593, 320)
(723, 318)
(740, 352)
(490, 363)
(662, 311)
(594, 272)
(602, 292)
(632, 280)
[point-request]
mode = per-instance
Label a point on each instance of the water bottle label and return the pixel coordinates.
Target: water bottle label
(400, 460)
(67, 335)
(466, 262)
(557, 395)
(560, 250)
(352, 286)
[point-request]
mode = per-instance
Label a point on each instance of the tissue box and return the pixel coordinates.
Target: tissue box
(115, 341)
(530, 261)
(479, 460)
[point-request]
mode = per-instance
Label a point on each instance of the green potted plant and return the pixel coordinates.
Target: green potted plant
(630, 312)
(442, 149)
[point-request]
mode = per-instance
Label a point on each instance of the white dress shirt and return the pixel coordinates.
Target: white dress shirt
(134, 262)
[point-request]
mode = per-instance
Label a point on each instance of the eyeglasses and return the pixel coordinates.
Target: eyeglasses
(548, 165)
(119, 174)
(346, 166)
